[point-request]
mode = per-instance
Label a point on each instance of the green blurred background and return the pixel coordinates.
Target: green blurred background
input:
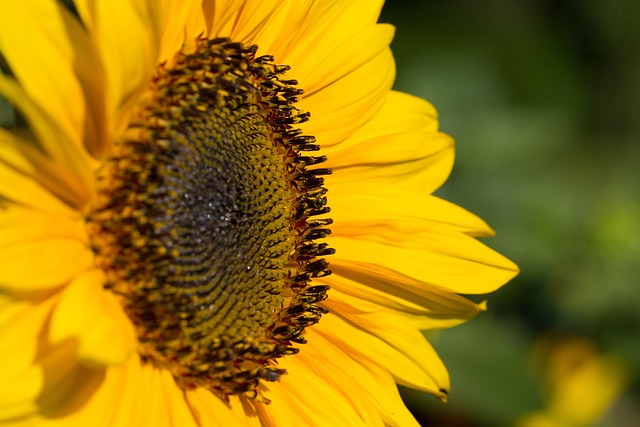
(542, 97)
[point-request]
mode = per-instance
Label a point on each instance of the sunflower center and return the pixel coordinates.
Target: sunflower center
(203, 221)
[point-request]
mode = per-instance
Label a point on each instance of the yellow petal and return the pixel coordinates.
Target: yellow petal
(378, 400)
(408, 356)
(199, 23)
(126, 387)
(343, 59)
(582, 383)
(431, 310)
(432, 254)
(329, 38)
(391, 204)
(48, 77)
(392, 408)
(112, 398)
(400, 113)
(399, 145)
(128, 51)
(262, 22)
(21, 381)
(393, 330)
(68, 384)
(245, 410)
(173, 17)
(368, 73)
(378, 283)
(169, 399)
(342, 107)
(21, 225)
(209, 410)
(384, 151)
(96, 397)
(307, 36)
(24, 157)
(421, 162)
(156, 406)
(327, 26)
(93, 317)
(303, 398)
(24, 190)
(52, 143)
(43, 264)
(341, 373)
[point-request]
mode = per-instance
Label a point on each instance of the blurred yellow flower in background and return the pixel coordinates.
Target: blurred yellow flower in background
(164, 220)
(580, 384)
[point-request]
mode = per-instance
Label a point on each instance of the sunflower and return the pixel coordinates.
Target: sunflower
(579, 384)
(168, 253)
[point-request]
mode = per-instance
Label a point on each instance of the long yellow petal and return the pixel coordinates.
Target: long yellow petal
(127, 36)
(40, 41)
(327, 27)
(400, 113)
(340, 108)
(169, 399)
(210, 411)
(24, 190)
(42, 265)
(392, 330)
(302, 397)
(22, 157)
(413, 363)
(391, 204)
(20, 225)
(111, 398)
(357, 377)
(436, 309)
(173, 15)
(52, 142)
(433, 255)
(425, 160)
(21, 323)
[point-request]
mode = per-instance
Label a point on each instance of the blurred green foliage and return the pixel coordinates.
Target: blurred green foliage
(542, 97)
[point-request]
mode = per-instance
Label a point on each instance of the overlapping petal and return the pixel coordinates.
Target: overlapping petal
(433, 255)
(49, 78)
(103, 332)
(19, 342)
(432, 308)
(391, 204)
(52, 143)
(128, 55)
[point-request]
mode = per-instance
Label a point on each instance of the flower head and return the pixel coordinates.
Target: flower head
(219, 213)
